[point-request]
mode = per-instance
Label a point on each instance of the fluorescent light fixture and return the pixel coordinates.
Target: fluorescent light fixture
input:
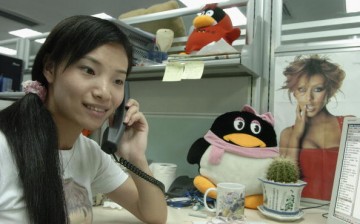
(41, 41)
(7, 51)
(102, 16)
(352, 6)
(237, 18)
(194, 4)
(24, 33)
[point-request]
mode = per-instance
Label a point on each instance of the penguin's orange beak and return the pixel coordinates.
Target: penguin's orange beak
(244, 140)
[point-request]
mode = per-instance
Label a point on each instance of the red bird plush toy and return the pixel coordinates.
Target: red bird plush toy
(210, 25)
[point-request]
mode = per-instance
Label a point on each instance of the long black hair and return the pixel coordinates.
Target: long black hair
(29, 127)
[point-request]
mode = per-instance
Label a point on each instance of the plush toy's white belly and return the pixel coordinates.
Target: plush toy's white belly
(235, 168)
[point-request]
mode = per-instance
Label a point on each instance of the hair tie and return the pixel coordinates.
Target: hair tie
(34, 87)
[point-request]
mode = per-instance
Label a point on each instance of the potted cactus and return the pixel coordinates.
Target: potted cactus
(282, 188)
(283, 170)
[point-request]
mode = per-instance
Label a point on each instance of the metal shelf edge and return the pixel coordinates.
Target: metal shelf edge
(213, 68)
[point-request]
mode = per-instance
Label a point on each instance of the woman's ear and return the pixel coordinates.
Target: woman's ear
(49, 70)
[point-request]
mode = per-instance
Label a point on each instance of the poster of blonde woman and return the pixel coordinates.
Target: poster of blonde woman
(313, 94)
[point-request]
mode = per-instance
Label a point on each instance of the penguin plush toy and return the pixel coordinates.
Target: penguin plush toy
(210, 25)
(239, 147)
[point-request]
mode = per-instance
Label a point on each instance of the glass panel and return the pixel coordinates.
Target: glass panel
(312, 21)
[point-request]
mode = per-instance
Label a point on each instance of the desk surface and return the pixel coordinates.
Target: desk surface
(181, 216)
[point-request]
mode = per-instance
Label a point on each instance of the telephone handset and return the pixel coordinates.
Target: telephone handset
(111, 139)
(114, 132)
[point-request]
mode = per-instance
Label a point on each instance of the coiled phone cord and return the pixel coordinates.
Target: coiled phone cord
(140, 173)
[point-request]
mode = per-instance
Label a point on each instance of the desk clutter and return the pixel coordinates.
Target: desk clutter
(188, 202)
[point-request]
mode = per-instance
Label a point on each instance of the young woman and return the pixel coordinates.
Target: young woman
(314, 139)
(48, 169)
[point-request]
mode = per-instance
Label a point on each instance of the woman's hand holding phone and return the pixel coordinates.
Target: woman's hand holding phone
(133, 143)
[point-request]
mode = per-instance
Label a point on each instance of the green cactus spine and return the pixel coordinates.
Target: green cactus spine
(283, 170)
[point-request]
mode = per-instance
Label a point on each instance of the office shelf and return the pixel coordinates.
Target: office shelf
(212, 69)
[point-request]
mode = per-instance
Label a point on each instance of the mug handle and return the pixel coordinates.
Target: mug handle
(205, 195)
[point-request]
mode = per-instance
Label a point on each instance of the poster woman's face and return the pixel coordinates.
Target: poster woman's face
(311, 94)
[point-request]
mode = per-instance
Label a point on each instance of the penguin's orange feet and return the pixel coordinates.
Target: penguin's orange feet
(253, 201)
(202, 184)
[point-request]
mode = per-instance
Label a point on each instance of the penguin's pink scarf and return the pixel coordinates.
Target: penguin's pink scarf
(219, 146)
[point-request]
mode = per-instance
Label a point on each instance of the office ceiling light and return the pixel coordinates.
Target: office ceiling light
(7, 51)
(352, 6)
(102, 16)
(25, 33)
(41, 41)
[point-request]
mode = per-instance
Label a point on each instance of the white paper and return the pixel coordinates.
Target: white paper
(219, 47)
(193, 70)
(173, 71)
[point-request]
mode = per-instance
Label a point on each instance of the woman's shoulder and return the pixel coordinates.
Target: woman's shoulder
(89, 150)
(87, 145)
(86, 140)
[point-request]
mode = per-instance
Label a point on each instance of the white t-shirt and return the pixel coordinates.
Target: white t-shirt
(87, 171)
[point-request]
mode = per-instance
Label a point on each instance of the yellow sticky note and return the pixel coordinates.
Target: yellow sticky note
(193, 70)
(173, 71)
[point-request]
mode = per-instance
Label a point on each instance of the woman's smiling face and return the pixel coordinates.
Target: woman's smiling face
(87, 92)
(310, 93)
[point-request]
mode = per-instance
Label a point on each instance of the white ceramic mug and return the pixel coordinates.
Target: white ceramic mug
(230, 200)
